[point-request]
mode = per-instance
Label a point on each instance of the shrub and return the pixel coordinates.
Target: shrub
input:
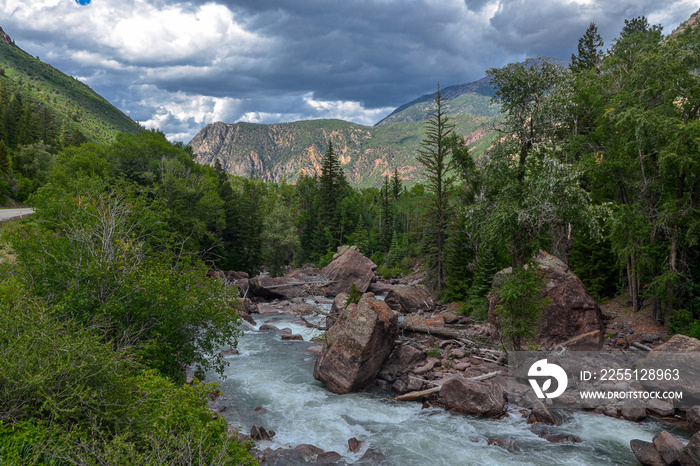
(520, 305)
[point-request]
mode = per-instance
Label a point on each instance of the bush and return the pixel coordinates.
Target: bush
(520, 305)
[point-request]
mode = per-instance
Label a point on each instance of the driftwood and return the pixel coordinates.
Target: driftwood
(641, 346)
(431, 391)
(298, 284)
(444, 332)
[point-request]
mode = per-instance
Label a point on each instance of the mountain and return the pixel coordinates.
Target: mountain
(285, 150)
(72, 104)
(273, 152)
(473, 98)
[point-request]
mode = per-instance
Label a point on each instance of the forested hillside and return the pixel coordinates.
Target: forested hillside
(286, 150)
(42, 111)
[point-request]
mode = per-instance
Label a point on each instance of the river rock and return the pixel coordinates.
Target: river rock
(507, 444)
(668, 446)
(472, 397)
(314, 350)
(408, 299)
(559, 437)
(540, 414)
(407, 355)
(573, 311)
(634, 410)
(646, 453)
(660, 408)
(258, 432)
(679, 352)
(379, 288)
(301, 454)
(692, 416)
(268, 327)
(349, 266)
(357, 345)
(354, 445)
(690, 455)
(292, 337)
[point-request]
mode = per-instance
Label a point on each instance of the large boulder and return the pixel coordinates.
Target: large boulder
(692, 416)
(357, 345)
(646, 453)
(572, 312)
(349, 266)
(679, 353)
(690, 455)
(472, 397)
(409, 298)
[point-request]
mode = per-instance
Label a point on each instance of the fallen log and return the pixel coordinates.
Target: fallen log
(298, 284)
(431, 391)
(444, 332)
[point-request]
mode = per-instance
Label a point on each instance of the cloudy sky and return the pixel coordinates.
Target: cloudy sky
(179, 65)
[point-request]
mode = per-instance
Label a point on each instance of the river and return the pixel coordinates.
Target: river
(277, 376)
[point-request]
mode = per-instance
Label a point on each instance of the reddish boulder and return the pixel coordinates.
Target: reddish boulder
(668, 446)
(646, 453)
(349, 266)
(472, 397)
(357, 345)
(408, 299)
(692, 416)
(572, 312)
(690, 455)
(680, 353)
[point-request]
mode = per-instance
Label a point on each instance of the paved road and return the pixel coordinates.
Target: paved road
(9, 213)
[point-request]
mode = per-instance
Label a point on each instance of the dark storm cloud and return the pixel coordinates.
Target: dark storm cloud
(182, 64)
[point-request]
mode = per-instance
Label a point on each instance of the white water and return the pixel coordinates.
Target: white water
(277, 376)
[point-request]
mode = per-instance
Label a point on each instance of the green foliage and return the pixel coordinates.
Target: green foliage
(520, 306)
(434, 351)
(354, 296)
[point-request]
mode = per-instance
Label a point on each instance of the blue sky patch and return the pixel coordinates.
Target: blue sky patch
(83, 2)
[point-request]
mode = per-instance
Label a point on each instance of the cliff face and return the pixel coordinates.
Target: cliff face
(285, 150)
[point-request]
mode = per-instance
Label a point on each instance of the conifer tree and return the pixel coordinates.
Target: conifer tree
(590, 54)
(387, 214)
(434, 155)
(332, 192)
(4, 159)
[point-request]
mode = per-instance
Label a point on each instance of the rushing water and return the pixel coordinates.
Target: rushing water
(278, 376)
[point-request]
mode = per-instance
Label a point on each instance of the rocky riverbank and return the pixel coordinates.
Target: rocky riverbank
(398, 340)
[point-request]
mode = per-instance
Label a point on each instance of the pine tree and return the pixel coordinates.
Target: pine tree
(4, 159)
(590, 54)
(332, 192)
(387, 214)
(434, 155)
(396, 185)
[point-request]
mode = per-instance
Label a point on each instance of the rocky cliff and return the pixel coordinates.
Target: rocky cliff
(286, 150)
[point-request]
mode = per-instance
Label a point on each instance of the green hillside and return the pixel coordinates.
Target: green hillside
(72, 104)
(367, 153)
